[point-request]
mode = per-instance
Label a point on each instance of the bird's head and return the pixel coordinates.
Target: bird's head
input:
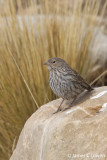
(54, 63)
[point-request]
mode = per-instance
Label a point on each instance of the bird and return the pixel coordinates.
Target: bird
(64, 81)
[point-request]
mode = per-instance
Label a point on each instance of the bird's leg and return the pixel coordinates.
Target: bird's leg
(59, 108)
(71, 105)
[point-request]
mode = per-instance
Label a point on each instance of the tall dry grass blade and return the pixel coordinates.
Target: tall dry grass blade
(23, 78)
(100, 76)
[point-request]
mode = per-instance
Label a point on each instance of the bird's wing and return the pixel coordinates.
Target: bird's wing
(72, 75)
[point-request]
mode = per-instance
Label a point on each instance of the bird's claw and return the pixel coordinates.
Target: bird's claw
(58, 110)
(66, 109)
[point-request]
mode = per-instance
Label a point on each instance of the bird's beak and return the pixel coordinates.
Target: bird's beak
(46, 63)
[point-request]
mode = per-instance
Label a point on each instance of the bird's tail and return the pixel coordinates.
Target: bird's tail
(90, 88)
(87, 86)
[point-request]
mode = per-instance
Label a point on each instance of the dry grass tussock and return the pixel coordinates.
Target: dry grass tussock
(26, 42)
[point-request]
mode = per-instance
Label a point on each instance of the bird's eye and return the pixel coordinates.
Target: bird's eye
(53, 61)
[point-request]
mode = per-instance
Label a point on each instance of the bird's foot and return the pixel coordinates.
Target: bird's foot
(58, 110)
(67, 108)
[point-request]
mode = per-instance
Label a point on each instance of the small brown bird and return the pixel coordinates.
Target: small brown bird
(64, 81)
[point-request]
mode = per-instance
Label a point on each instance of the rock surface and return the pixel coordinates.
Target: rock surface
(79, 133)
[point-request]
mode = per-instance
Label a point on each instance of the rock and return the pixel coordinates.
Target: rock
(78, 132)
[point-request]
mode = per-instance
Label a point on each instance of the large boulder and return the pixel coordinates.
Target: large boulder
(79, 133)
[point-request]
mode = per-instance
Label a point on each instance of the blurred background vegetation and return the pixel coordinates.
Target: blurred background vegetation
(31, 31)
